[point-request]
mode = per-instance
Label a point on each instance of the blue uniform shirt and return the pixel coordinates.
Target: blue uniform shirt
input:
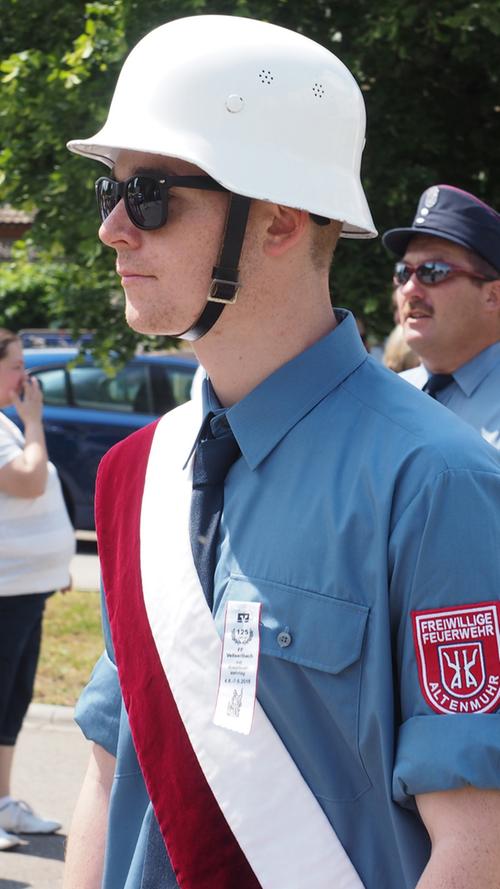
(356, 501)
(475, 393)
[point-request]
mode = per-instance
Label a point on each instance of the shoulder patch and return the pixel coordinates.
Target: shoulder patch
(458, 657)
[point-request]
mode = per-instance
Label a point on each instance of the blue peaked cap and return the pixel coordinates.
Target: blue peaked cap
(447, 212)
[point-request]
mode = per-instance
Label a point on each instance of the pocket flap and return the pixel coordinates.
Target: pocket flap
(304, 627)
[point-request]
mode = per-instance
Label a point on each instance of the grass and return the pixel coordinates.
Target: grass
(72, 642)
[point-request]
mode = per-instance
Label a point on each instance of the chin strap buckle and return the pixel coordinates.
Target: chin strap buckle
(225, 284)
(223, 289)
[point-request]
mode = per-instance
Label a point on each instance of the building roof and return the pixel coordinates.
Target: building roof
(9, 215)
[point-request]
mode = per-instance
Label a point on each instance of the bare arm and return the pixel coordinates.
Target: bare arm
(464, 826)
(26, 475)
(87, 840)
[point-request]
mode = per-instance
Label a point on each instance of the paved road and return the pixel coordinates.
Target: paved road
(51, 758)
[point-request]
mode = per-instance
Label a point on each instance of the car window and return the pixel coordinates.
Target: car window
(128, 391)
(173, 386)
(53, 383)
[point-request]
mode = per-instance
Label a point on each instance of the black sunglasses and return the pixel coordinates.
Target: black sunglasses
(146, 196)
(432, 272)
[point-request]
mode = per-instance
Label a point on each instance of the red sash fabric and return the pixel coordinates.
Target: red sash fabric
(202, 848)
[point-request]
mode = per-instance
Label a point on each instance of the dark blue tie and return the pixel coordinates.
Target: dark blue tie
(436, 382)
(214, 454)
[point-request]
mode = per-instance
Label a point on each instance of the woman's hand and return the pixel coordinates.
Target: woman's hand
(30, 406)
(26, 474)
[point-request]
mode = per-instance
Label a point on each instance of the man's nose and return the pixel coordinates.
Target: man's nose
(412, 287)
(118, 228)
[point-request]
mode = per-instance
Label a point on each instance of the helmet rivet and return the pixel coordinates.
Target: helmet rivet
(234, 103)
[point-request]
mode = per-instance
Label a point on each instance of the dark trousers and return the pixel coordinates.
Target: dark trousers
(20, 638)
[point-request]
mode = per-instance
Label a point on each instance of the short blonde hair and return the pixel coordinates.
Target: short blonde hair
(397, 354)
(323, 243)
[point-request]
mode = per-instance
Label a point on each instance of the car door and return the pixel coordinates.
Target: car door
(86, 411)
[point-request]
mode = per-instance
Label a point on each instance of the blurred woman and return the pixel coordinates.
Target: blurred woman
(36, 546)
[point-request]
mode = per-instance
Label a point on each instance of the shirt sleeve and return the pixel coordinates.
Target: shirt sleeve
(99, 707)
(9, 449)
(445, 559)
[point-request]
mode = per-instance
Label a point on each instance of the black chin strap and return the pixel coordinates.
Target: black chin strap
(225, 283)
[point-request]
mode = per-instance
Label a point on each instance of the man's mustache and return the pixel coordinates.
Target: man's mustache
(417, 307)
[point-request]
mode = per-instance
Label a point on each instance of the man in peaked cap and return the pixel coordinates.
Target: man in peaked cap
(299, 691)
(448, 294)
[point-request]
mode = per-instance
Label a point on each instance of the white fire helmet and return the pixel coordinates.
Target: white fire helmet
(266, 112)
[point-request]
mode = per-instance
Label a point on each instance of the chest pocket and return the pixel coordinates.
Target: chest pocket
(309, 680)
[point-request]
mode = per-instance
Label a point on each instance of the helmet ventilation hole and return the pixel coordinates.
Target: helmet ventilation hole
(265, 76)
(318, 90)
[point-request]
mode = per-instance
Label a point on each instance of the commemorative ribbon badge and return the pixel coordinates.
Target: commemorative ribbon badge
(458, 656)
(239, 666)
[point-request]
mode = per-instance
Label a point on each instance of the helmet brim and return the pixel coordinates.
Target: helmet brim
(352, 214)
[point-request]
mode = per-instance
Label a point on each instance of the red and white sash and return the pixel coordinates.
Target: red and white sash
(233, 809)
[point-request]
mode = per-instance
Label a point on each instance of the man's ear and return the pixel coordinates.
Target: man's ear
(492, 296)
(287, 227)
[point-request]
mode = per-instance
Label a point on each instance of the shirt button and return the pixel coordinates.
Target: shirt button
(284, 639)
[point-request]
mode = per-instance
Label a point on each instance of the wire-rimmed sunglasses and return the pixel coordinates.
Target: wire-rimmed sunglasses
(432, 272)
(146, 196)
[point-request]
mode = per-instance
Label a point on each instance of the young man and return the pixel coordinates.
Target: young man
(448, 295)
(312, 703)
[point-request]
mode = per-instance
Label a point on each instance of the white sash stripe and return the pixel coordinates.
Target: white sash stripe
(276, 819)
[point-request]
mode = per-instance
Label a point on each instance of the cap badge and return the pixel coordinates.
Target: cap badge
(431, 197)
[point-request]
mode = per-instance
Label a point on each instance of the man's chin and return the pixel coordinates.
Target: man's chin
(147, 327)
(417, 331)
(137, 322)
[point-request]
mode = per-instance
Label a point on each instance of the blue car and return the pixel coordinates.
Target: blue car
(86, 411)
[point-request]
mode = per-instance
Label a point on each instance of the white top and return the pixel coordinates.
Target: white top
(37, 540)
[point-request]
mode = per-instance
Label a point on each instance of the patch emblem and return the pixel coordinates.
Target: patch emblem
(458, 656)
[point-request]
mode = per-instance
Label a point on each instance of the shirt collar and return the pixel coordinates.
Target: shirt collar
(471, 374)
(261, 419)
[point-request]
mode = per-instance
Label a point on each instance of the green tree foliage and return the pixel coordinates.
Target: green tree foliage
(429, 73)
